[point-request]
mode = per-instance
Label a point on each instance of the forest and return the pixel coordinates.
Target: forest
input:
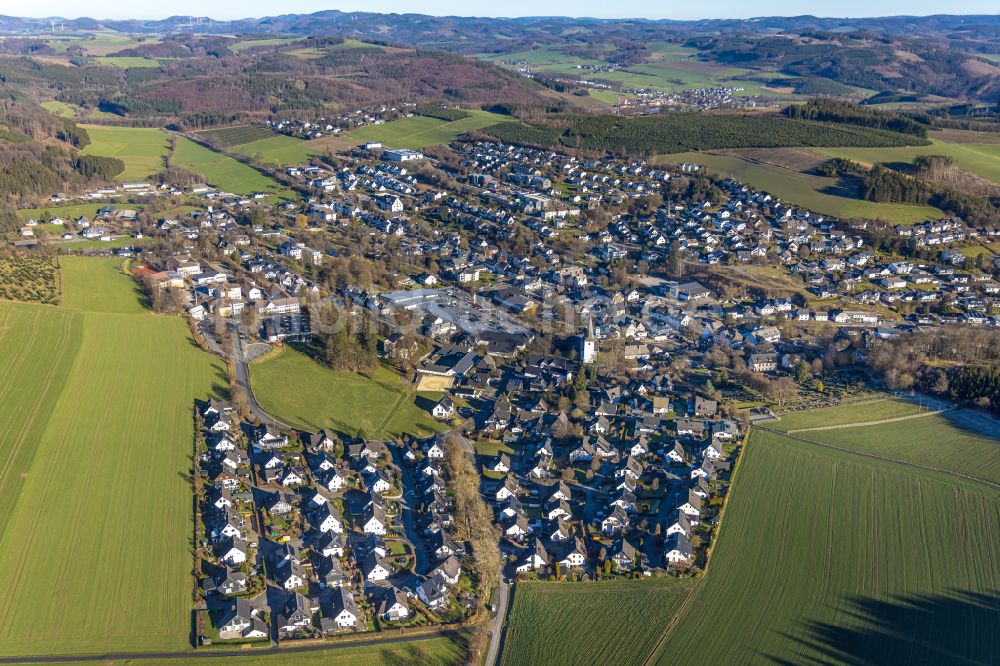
(839, 111)
(959, 363)
(682, 132)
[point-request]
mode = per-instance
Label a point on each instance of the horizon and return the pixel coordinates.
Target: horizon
(631, 10)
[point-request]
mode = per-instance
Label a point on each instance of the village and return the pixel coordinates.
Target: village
(598, 333)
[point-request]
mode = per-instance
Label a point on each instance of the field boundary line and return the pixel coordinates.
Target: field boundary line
(874, 456)
(862, 424)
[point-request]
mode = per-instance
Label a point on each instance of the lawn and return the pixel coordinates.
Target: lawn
(607, 622)
(301, 392)
(982, 159)
(95, 545)
(142, 149)
(220, 170)
(829, 557)
(863, 412)
(419, 132)
(817, 193)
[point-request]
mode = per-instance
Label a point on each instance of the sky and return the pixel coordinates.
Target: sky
(653, 9)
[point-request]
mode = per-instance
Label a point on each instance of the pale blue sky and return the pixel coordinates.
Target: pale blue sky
(229, 9)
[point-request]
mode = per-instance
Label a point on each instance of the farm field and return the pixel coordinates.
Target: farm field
(981, 159)
(419, 132)
(262, 144)
(278, 149)
(956, 441)
(28, 277)
(829, 557)
(101, 520)
(430, 651)
(817, 193)
(97, 284)
(594, 623)
(301, 392)
(220, 170)
(874, 410)
(143, 150)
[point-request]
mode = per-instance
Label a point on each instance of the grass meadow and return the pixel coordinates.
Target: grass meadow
(220, 170)
(301, 392)
(61, 109)
(418, 132)
(955, 441)
(820, 194)
(606, 622)
(982, 159)
(829, 557)
(96, 398)
(862, 412)
(143, 150)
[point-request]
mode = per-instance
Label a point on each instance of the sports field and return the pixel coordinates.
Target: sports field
(301, 392)
(826, 196)
(96, 402)
(220, 170)
(829, 557)
(607, 622)
(419, 132)
(143, 150)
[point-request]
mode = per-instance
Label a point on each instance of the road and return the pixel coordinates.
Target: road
(211, 654)
(497, 630)
(243, 380)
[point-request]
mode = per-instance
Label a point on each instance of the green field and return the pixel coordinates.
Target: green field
(303, 393)
(96, 405)
(67, 212)
(278, 149)
(862, 412)
(956, 441)
(61, 109)
(127, 62)
(250, 43)
(228, 137)
(143, 150)
(607, 622)
(419, 132)
(806, 190)
(262, 144)
(430, 651)
(220, 170)
(829, 557)
(982, 159)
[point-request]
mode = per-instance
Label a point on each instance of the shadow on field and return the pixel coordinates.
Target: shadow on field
(960, 628)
